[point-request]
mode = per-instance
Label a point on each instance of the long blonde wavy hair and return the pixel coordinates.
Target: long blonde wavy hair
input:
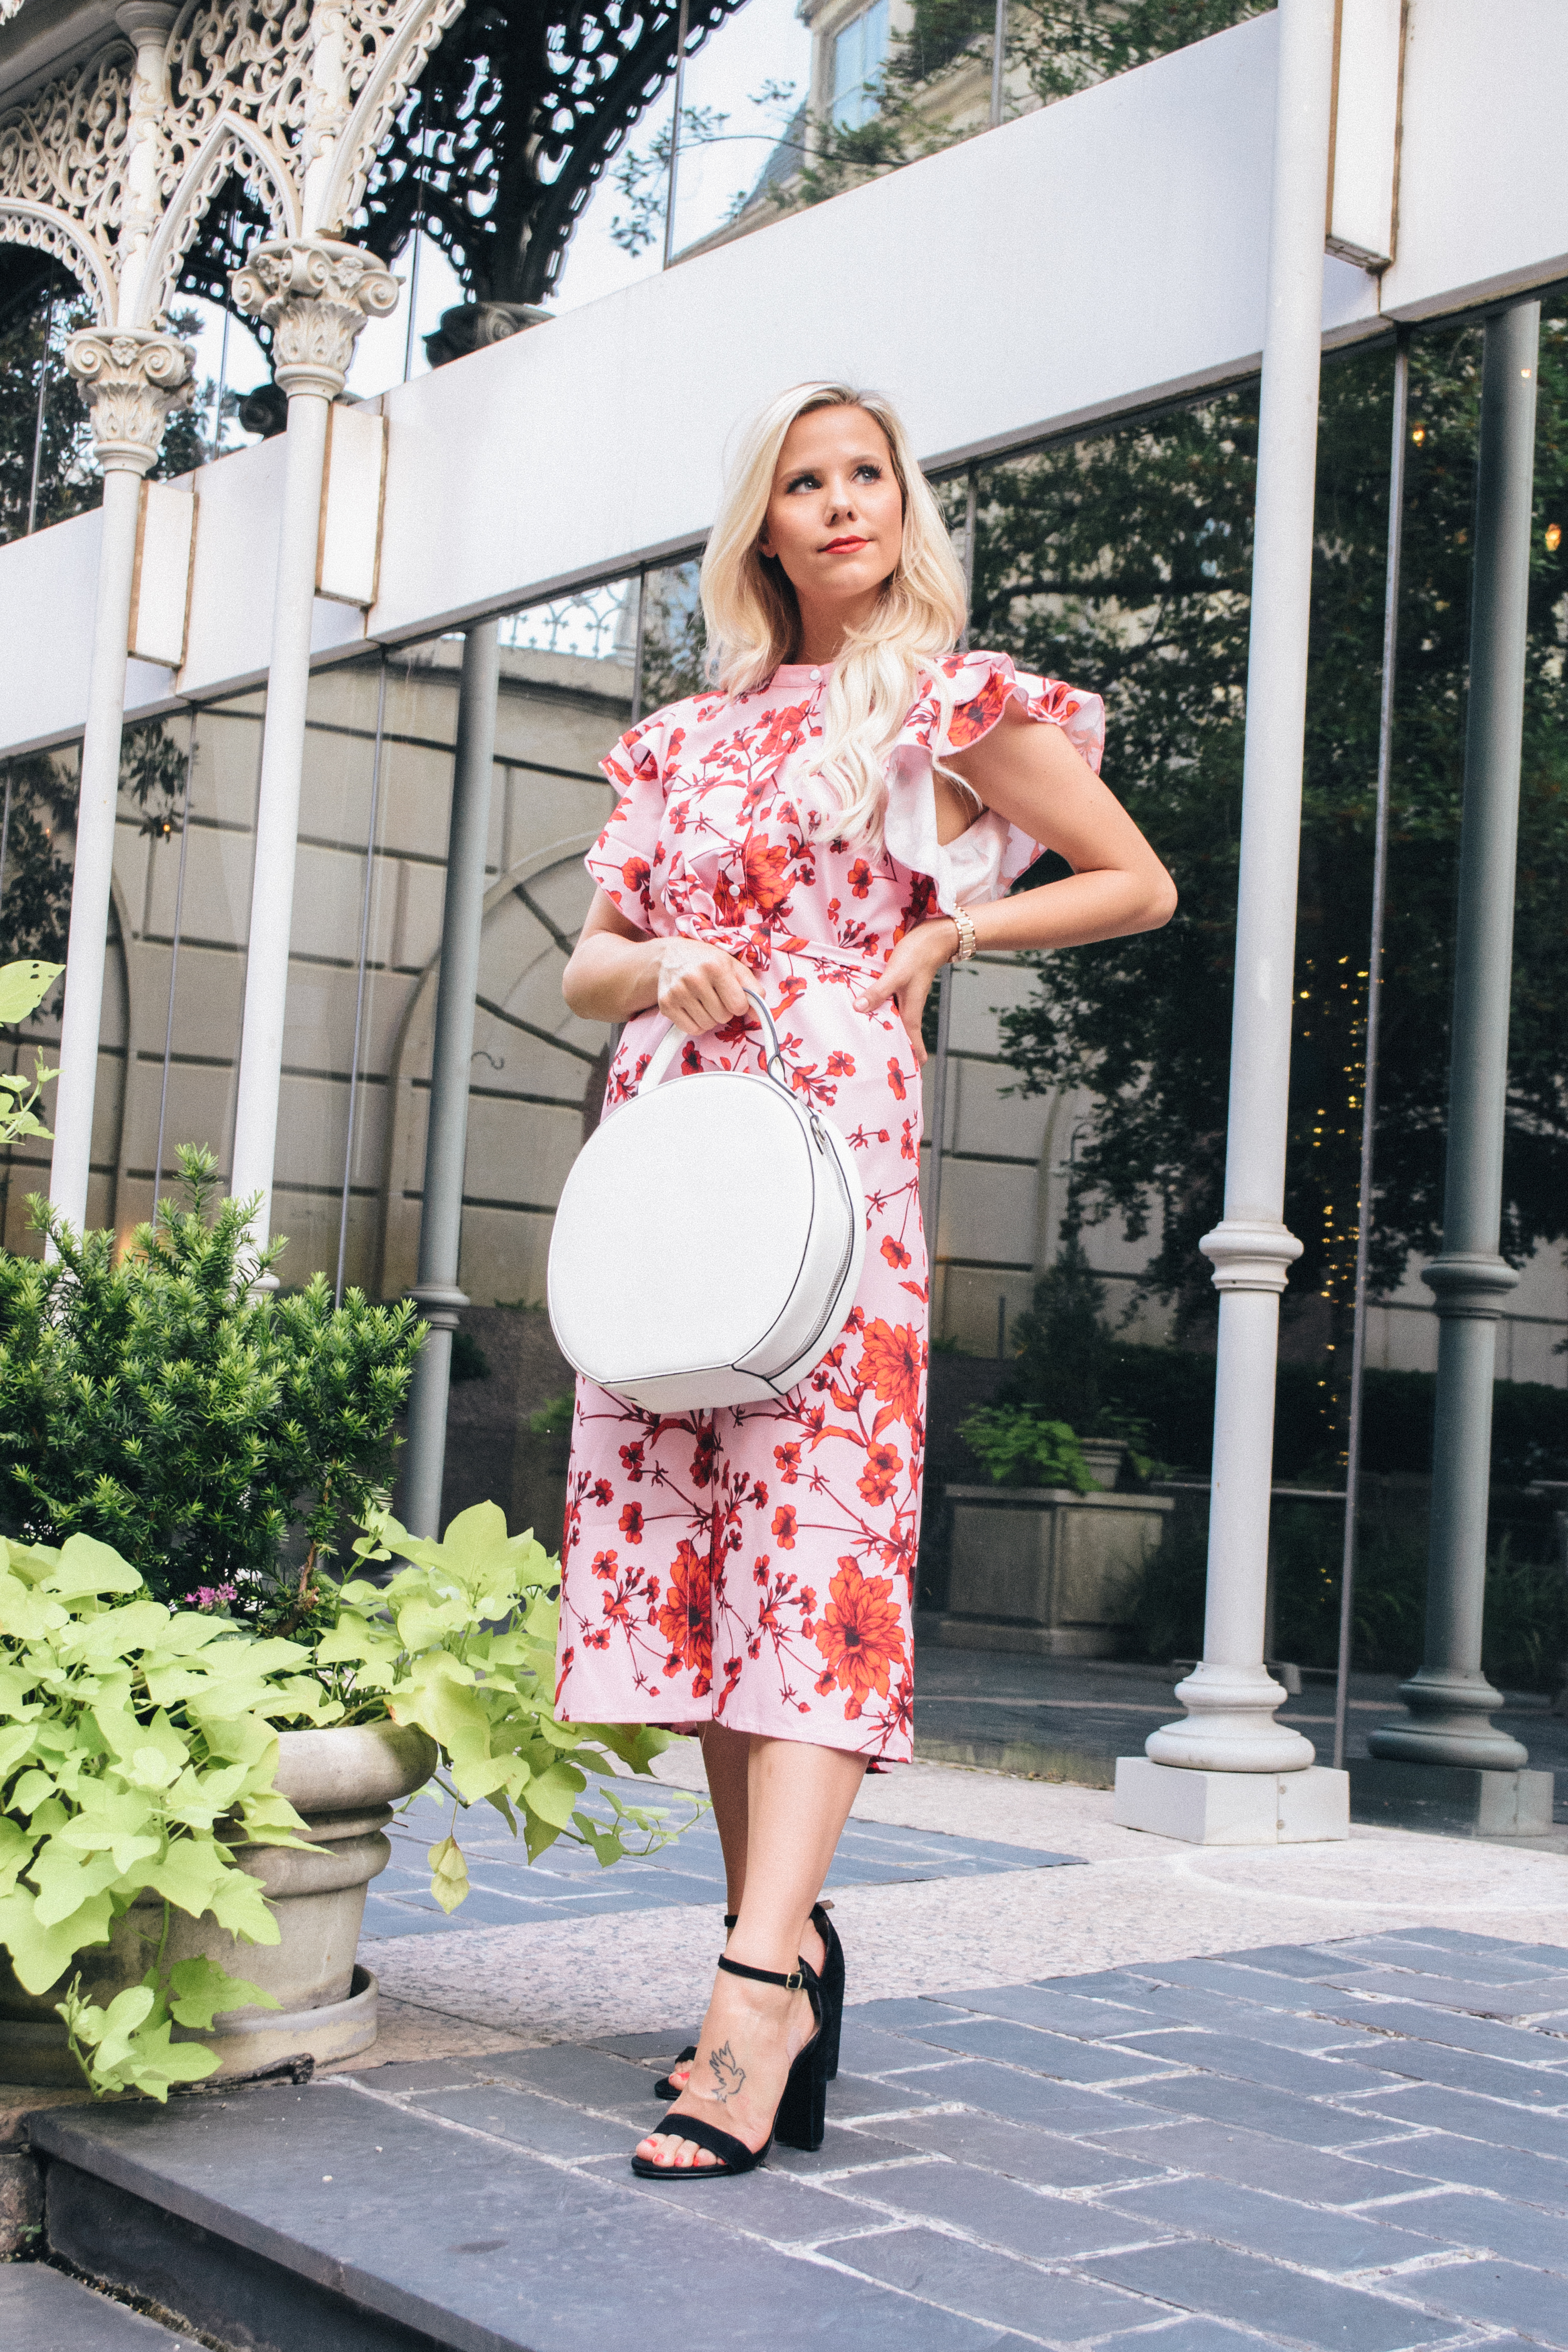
(753, 619)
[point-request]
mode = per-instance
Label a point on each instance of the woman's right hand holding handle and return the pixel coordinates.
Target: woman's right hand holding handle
(700, 987)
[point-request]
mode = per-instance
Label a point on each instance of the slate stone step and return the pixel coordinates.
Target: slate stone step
(324, 2219)
(47, 2312)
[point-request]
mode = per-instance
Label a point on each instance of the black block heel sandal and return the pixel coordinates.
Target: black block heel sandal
(800, 2118)
(664, 2088)
(831, 1978)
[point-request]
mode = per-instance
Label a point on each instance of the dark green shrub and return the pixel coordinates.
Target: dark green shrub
(1019, 1446)
(162, 1406)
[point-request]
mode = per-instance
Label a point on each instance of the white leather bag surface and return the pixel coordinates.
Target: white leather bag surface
(708, 1241)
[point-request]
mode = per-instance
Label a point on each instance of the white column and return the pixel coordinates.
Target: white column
(1229, 1773)
(315, 294)
(130, 380)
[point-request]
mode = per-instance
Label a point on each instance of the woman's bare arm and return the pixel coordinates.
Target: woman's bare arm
(615, 971)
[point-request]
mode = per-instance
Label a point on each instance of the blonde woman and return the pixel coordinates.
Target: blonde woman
(843, 815)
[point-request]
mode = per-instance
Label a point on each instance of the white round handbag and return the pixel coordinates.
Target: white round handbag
(708, 1241)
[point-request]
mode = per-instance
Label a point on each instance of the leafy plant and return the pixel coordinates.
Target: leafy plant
(461, 1641)
(23, 988)
(138, 1747)
(137, 1744)
(552, 1419)
(161, 1405)
(1020, 1446)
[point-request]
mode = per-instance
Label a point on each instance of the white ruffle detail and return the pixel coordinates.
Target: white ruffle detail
(988, 857)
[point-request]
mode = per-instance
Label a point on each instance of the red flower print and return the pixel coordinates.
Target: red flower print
(702, 1459)
(691, 1058)
(601, 1492)
(686, 1618)
(883, 1463)
(606, 1564)
(894, 1252)
(768, 872)
(860, 879)
(841, 1066)
(892, 1362)
(784, 1526)
(788, 1459)
(896, 1079)
(860, 1637)
(631, 1461)
(636, 874)
(907, 1148)
(631, 1523)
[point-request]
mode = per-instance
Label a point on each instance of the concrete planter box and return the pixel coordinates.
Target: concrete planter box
(343, 1781)
(1053, 1574)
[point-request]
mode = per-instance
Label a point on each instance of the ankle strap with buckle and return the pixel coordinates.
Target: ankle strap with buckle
(796, 1982)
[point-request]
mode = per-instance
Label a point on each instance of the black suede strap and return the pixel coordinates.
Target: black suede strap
(795, 1982)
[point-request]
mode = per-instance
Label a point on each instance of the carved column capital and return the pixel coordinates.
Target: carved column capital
(131, 378)
(315, 294)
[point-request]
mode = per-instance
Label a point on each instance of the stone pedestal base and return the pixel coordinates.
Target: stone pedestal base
(1454, 1799)
(1232, 1808)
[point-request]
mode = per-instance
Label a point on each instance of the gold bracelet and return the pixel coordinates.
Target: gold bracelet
(967, 942)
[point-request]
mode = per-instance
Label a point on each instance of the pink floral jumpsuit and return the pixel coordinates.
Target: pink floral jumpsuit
(754, 1566)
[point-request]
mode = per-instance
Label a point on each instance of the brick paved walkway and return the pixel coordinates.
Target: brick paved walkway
(1353, 2146)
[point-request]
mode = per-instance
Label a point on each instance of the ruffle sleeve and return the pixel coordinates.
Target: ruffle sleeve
(987, 858)
(625, 858)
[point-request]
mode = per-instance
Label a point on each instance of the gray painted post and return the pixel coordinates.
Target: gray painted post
(446, 1143)
(1450, 1700)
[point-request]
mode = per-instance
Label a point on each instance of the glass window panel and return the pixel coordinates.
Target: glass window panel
(37, 796)
(675, 635)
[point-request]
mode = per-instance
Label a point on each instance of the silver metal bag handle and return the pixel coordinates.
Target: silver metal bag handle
(669, 1045)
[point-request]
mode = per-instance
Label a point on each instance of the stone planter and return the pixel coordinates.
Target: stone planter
(343, 1781)
(1047, 1573)
(1103, 1457)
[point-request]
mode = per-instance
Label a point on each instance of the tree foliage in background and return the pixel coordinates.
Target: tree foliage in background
(1123, 564)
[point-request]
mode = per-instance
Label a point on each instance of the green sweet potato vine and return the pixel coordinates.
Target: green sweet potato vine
(138, 1745)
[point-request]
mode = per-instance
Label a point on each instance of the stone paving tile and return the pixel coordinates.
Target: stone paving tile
(1472, 2164)
(854, 2095)
(1322, 2028)
(1505, 2295)
(546, 2127)
(1282, 2115)
(585, 2077)
(1306, 1961)
(1495, 2121)
(42, 2310)
(1022, 2152)
(1191, 2335)
(769, 2204)
(1256, 2161)
(1032, 2098)
(999, 2213)
(845, 2149)
(1040, 2052)
(1318, 2238)
(1222, 2283)
(1451, 2029)
(1057, 2012)
(1237, 2056)
(869, 2049)
(1535, 1997)
(1523, 2236)
(981, 2284)
(1467, 2070)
